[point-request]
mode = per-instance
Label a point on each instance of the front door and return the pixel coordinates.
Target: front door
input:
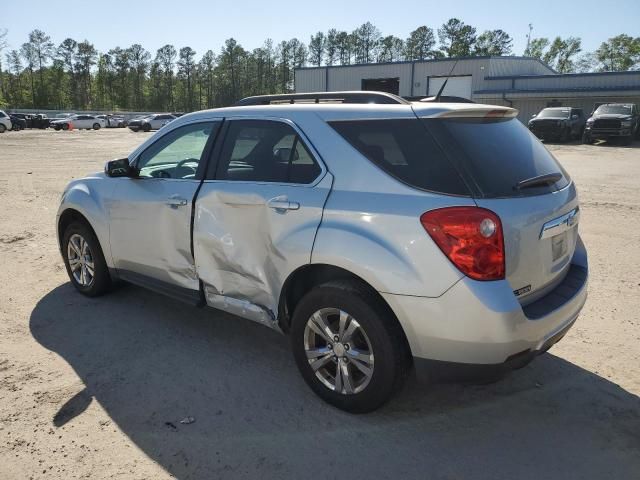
(257, 216)
(150, 231)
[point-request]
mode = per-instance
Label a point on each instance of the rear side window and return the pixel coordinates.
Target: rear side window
(496, 154)
(404, 149)
(265, 151)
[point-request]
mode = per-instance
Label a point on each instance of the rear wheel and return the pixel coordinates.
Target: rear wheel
(96, 126)
(566, 135)
(146, 127)
(586, 138)
(65, 126)
(84, 260)
(2, 128)
(348, 346)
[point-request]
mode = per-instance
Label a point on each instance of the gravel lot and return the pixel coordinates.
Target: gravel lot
(97, 388)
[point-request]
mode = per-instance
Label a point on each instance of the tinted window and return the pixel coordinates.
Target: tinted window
(405, 150)
(554, 113)
(496, 154)
(265, 151)
(176, 154)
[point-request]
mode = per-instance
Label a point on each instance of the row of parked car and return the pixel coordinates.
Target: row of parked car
(143, 123)
(63, 121)
(607, 122)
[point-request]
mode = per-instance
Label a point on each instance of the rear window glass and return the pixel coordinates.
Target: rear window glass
(404, 149)
(496, 154)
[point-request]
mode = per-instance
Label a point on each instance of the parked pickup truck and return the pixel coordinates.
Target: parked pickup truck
(558, 123)
(377, 233)
(613, 120)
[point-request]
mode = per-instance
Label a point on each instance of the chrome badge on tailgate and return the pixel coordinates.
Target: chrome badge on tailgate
(561, 224)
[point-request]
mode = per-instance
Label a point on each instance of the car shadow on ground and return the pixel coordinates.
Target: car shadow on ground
(150, 362)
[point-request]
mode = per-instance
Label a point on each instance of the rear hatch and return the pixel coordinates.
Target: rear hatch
(507, 170)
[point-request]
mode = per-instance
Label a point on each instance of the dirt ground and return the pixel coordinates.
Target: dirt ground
(97, 388)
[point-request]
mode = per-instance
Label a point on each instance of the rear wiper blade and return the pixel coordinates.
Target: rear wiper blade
(546, 179)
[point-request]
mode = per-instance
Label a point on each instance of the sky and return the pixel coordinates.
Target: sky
(205, 25)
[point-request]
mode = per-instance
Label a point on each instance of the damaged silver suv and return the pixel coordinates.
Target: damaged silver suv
(377, 233)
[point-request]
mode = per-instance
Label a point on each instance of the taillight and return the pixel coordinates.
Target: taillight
(471, 237)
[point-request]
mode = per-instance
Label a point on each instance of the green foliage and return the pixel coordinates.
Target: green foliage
(621, 52)
(420, 44)
(456, 38)
(493, 43)
(561, 54)
(74, 75)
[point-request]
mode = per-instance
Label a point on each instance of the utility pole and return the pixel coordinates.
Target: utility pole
(527, 52)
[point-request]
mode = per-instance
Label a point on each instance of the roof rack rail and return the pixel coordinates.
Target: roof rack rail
(323, 97)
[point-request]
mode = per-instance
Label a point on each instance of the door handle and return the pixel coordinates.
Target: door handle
(282, 203)
(176, 201)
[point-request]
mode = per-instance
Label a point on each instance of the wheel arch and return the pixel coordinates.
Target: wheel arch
(306, 277)
(69, 216)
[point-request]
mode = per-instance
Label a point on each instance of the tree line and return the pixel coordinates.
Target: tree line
(75, 75)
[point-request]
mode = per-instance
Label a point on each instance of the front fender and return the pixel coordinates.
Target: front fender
(90, 197)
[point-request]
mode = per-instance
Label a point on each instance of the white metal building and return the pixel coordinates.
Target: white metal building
(524, 83)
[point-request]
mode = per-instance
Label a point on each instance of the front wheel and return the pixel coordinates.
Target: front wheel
(84, 260)
(146, 127)
(348, 346)
(2, 128)
(586, 138)
(96, 126)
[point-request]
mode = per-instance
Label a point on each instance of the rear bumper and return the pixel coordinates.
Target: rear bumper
(482, 323)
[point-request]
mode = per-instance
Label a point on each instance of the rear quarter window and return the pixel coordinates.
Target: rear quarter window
(403, 149)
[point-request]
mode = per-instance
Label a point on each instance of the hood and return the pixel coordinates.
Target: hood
(536, 119)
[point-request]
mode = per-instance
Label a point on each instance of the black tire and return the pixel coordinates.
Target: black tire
(586, 139)
(565, 136)
(388, 344)
(628, 140)
(2, 128)
(101, 282)
(96, 126)
(65, 126)
(146, 127)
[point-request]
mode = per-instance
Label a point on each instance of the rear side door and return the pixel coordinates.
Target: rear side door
(257, 215)
(150, 224)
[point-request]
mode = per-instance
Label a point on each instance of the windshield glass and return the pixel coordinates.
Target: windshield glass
(555, 113)
(615, 109)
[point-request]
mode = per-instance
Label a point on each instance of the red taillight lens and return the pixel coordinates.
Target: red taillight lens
(470, 237)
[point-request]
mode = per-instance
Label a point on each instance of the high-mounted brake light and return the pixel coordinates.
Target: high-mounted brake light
(471, 237)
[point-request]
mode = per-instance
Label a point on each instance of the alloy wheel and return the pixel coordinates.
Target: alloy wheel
(338, 351)
(80, 260)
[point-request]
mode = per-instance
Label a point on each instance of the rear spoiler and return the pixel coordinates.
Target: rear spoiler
(472, 111)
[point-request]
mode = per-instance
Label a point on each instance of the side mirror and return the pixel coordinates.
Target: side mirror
(533, 116)
(119, 168)
(574, 117)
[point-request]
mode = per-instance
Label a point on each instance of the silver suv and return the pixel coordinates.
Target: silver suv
(379, 234)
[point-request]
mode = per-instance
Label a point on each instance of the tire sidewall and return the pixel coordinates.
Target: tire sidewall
(102, 279)
(96, 126)
(371, 318)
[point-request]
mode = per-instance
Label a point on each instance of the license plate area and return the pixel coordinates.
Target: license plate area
(559, 246)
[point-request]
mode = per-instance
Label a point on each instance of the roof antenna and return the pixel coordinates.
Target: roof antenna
(444, 84)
